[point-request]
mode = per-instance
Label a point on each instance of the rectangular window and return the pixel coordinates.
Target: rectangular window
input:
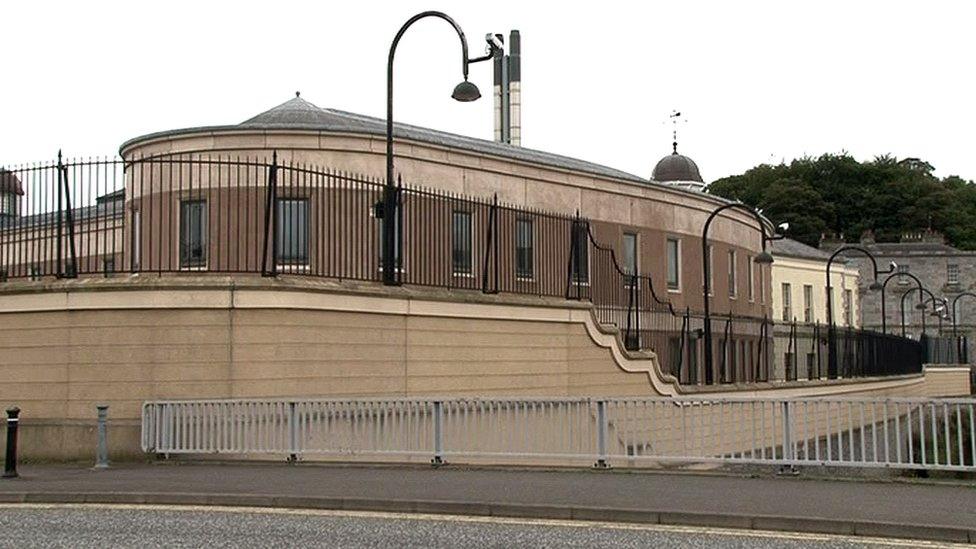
(787, 302)
(711, 272)
(752, 278)
(674, 264)
(762, 284)
(8, 204)
(193, 233)
(524, 252)
(397, 232)
(952, 273)
(581, 261)
(136, 246)
(807, 303)
(461, 242)
(848, 306)
(733, 279)
(292, 231)
(630, 255)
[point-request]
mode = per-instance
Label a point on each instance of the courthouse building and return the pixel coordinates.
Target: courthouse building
(246, 260)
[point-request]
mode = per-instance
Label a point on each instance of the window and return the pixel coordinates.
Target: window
(108, 265)
(397, 231)
(461, 243)
(630, 256)
(524, 240)
(292, 229)
(812, 366)
(787, 302)
(952, 273)
(136, 236)
(903, 269)
(848, 306)
(762, 284)
(674, 264)
(733, 281)
(752, 278)
(193, 233)
(711, 272)
(35, 272)
(581, 261)
(807, 303)
(3, 275)
(8, 204)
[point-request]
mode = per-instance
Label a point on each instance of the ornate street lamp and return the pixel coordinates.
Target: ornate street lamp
(831, 334)
(920, 306)
(884, 313)
(962, 351)
(764, 258)
(464, 92)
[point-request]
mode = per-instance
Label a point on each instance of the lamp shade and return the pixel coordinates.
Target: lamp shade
(764, 258)
(465, 92)
(875, 286)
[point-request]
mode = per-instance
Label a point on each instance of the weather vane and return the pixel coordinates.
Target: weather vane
(675, 116)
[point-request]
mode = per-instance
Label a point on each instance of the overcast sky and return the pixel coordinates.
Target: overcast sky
(757, 82)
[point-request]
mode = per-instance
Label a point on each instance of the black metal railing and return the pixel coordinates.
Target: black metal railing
(268, 216)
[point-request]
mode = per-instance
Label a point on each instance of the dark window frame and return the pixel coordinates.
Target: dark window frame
(193, 251)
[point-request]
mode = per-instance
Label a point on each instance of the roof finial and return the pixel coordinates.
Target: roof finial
(674, 130)
(298, 94)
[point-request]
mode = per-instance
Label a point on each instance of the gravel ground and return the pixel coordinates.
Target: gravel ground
(141, 526)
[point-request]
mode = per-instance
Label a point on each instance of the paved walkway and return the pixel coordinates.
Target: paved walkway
(896, 509)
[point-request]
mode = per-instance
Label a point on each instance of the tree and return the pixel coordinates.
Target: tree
(837, 194)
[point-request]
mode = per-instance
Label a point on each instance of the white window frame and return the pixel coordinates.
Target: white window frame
(677, 265)
(733, 276)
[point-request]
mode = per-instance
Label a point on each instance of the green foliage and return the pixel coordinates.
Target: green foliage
(836, 194)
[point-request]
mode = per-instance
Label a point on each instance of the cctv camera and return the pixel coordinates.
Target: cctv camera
(893, 266)
(495, 41)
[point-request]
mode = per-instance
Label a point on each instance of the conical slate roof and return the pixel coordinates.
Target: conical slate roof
(9, 183)
(297, 113)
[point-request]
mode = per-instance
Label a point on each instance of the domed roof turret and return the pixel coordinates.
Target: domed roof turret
(678, 169)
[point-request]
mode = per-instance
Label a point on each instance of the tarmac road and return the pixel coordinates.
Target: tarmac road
(79, 526)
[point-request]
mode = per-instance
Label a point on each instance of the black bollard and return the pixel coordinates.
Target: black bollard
(10, 463)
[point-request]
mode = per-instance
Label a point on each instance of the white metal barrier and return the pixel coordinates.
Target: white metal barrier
(909, 433)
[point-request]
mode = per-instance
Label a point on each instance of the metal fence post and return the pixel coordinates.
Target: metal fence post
(787, 468)
(101, 450)
(10, 462)
(601, 435)
(271, 232)
(292, 433)
(438, 434)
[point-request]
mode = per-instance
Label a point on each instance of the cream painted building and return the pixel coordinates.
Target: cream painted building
(800, 286)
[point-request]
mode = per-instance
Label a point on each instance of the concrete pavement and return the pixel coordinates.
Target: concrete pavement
(887, 509)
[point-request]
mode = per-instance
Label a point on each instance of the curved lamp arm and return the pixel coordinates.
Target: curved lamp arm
(954, 300)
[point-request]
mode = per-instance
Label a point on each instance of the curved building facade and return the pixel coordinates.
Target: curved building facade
(247, 261)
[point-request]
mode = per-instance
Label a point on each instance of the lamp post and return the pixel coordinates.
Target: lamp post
(464, 92)
(955, 325)
(831, 333)
(764, 258)
(961, 350)
(884, 286)
(940, 310)
(920, 306)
